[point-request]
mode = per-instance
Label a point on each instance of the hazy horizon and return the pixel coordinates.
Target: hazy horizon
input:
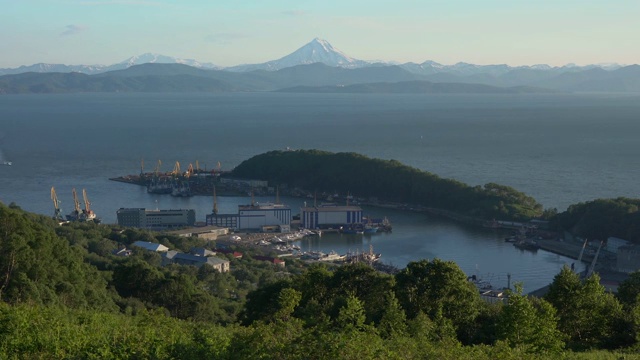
(105, 32)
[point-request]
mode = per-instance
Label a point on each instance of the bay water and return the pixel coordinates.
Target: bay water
(561, 149)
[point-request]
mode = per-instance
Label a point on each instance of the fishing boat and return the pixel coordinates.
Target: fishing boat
(353, 230)
(370, 229)
(527, 244)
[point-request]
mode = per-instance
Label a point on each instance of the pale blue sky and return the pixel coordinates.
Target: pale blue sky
(230, 32)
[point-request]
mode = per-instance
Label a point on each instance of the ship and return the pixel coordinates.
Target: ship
(181, 190)
(370, 229)
(86, 215)
(159, 185)
(367, 257)
(356, 229)
(8, 163)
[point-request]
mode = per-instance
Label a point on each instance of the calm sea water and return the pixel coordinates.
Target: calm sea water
(561, 149)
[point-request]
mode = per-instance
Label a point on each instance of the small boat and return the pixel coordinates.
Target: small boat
(354, 229)
(370, 229)
(527, 244)
(8, 163)
(332, 256)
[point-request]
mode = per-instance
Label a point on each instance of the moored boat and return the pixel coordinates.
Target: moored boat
(527, 244)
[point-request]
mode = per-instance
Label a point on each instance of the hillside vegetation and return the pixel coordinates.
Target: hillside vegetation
(65, 296)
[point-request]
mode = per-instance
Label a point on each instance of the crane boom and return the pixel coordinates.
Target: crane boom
(189, 171)
(57, 214)
(87, 204)
(595, 259)
(158, 167)
(176, 169)
(76, 203)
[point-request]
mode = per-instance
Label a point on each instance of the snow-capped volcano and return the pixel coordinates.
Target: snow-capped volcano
(316, 51)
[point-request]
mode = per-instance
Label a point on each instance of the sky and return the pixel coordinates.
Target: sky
(232, 32)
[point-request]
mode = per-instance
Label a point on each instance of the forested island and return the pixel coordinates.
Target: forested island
(63, 294)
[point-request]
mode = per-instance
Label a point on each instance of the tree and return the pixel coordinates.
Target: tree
(530, 324)
(587, 314)
(629, 290)
(394, 320)
(434, 286)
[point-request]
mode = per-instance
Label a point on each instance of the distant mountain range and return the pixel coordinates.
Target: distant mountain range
(315, 67)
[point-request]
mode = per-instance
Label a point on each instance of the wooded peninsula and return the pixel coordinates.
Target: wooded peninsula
(390, 180)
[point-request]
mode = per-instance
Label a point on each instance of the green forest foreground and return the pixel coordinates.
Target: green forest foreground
(64, 296)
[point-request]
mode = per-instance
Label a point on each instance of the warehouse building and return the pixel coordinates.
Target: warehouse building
(264, 217)
(330, 216)
(155, 219)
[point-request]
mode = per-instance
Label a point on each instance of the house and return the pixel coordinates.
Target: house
(151, 246)
(201, 252)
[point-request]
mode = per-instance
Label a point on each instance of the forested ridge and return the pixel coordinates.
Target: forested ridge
(387, 180)
(63, 295)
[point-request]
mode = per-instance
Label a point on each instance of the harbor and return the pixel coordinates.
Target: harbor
(340, 239)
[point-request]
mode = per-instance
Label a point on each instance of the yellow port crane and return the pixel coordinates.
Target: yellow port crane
(176, 169)
(87, 204)
(76, 205)
(157, 170)
(88, 214)
(57, 214)
(141, 167)
(189, 171)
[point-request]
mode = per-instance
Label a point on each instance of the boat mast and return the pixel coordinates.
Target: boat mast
(215, 201)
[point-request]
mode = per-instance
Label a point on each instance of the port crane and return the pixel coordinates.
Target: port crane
(57, 214)
(176, 169)
(75, 214)
(157, 170)
(189, 171)
(88, 214)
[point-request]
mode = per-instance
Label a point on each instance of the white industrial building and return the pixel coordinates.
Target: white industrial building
(256, 216)
(330, 216)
